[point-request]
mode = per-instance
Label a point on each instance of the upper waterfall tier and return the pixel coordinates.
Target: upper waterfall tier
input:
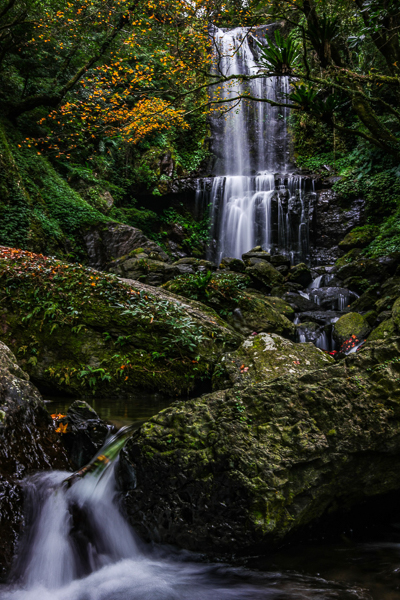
(251, 136)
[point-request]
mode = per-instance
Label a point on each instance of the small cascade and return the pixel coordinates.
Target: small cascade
(78, 546)
(254, 200)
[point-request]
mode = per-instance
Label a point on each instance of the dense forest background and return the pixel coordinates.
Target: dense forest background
(104, 104)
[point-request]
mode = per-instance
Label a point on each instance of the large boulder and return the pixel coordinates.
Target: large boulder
(114, 240)
(300, 274)
(350, 325)
(264, 275)
(85, 332)
(137, 265)
(28, 442)
(266, 356)
(244, 469)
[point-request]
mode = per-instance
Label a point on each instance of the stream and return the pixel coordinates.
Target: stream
(77, 545)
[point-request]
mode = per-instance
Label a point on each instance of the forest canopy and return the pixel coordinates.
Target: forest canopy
(127, 69)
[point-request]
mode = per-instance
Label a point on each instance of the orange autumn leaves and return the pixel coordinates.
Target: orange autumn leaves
(135, 89)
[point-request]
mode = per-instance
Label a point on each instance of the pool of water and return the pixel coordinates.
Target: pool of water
(117, 411)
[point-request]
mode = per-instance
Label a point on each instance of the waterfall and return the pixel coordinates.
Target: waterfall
(254, 200)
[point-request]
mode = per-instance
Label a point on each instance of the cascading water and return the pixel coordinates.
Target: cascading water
(78, 546)
(251, 204)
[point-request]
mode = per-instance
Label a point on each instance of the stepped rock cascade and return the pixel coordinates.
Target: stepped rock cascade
(254, 199)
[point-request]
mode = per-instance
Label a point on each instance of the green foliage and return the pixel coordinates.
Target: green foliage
(222, 290)
(279, 57)
(196, 232)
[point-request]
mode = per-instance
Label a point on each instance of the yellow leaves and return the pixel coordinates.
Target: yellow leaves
(62, 428)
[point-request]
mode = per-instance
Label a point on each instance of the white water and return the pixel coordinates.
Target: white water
(78, 546)
(251, 205)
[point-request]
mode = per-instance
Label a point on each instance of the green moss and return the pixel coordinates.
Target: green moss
(82, 331)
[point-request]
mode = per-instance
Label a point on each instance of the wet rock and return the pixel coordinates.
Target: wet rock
(197, 264)
(385, 330)
(299, 303)
(85, 434)
(331, 224)
(252, 257)
(264, 357)
(138, 266)
(283, 269)
(369, 269)
(280, 260)
(349, 325)
(332, 298)
(396, 313)
(308, 331)
(244, 469)
(28, 442)
(322, 317)
(115, 240)
(233, 264)
(300, 274)
(264, 275)
(124, 336)
(367, 300)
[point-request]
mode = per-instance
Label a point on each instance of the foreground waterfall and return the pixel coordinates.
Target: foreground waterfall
(78, 546)
(250, 204)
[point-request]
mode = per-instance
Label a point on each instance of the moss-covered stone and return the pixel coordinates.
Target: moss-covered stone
(358, 238)
(264, 357)
(300, 274)
(243, 469)
(226, 293)
(385, 330)
(82, 331)
(350, 325)
(232, 264)
(396, 314)
(264, 275)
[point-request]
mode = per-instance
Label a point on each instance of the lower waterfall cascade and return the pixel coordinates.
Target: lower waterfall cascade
(78, 546)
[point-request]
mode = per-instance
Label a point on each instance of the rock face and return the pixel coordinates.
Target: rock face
(264, 357)
(28, 443)
(331, 224)
(80, 331)
(114, 240)
(243, 469)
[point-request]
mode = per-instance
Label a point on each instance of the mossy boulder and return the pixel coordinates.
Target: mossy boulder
(144, 269)
(266, 356)
(264, 276)
(84, 332)
(232, 264)
(358, 238)
(386, 329)
(351, 325)
(245, 311)
(300, 274)
(244, 469)
(396, 314)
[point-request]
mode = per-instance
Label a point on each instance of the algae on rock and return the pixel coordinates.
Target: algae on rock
(264, 357)
(244, 469)
(82, 331)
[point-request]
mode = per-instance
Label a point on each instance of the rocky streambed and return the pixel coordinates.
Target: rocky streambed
(286, 433)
